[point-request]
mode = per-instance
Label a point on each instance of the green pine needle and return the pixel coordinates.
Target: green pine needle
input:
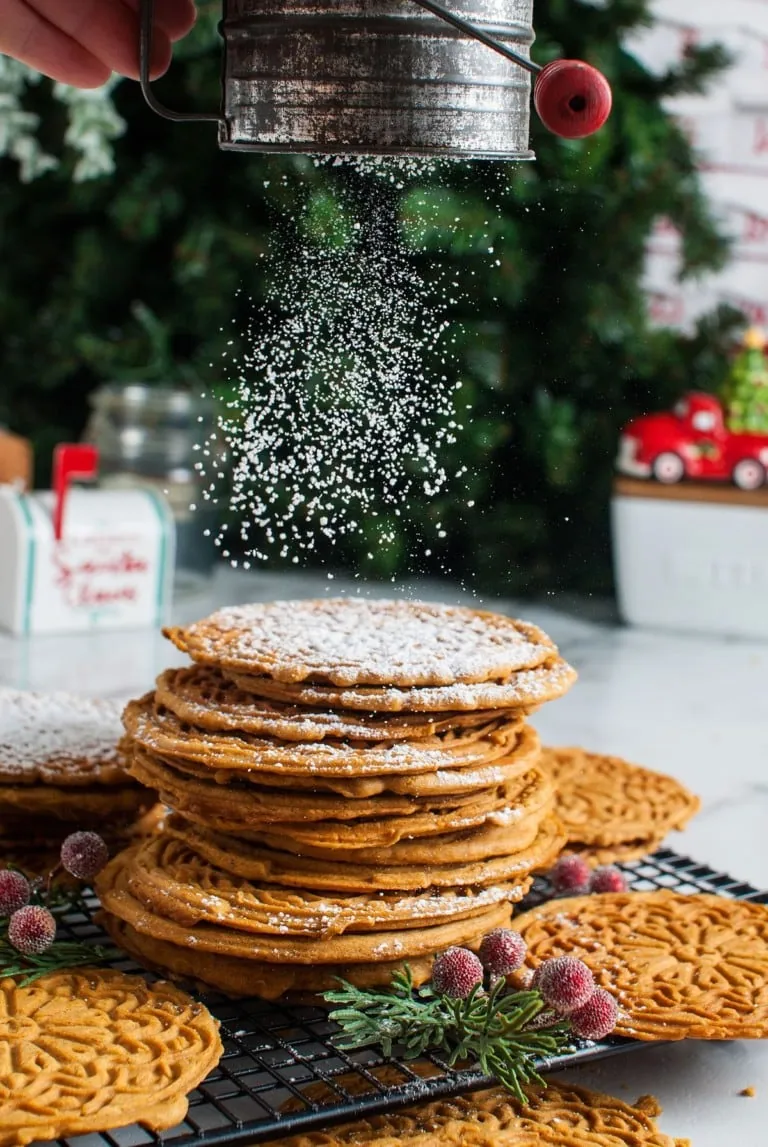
(60, 957)
(497, 1028)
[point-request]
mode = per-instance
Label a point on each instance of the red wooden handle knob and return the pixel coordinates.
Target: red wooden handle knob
(572, 98)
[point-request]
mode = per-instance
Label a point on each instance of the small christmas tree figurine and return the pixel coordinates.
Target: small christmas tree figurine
(745, 392)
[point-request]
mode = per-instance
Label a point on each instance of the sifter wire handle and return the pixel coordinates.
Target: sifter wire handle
(147, 13)
(478, 34)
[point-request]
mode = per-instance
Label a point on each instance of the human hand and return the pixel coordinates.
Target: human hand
(81, 42)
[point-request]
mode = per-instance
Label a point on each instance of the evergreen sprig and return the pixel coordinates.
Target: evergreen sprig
(59, 898)
(497, 1029)
(60, 957)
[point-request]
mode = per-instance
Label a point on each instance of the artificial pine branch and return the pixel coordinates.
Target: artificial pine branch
(505, 1032)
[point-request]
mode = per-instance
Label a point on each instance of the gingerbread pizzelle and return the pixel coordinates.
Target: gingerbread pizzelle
(173, 880)
(274, 803)
(488, 840)
(273, 865)
(62, 769)
(83, 808)
(561, 1115)
(522, 691)
(94, 1050)
(612, 809)
(309, 838)
(116, 893)
(680, 967)
(157, 730)
(441, 783)
(520, 754)
(358, 641)
(237, 977)
(40, 856)
(60, 739)
(616, 853)
(329, 821)
(202, 696)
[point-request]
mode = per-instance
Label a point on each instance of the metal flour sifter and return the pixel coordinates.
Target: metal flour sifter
(388, 77)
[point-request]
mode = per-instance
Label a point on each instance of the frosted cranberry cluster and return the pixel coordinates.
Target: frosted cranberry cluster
(32, 927)
(565, 983)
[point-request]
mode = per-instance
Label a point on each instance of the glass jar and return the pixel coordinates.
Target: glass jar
(150, 436)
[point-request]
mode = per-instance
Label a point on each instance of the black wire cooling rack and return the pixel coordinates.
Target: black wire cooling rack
(280, 1072)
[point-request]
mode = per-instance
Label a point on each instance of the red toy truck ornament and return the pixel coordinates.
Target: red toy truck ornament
(692, 442)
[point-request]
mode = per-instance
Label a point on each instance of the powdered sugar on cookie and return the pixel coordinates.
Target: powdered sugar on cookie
(54, 735)
(356, 641)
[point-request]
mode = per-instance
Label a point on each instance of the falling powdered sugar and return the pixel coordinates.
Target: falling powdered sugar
(395, 170)
(344, 402)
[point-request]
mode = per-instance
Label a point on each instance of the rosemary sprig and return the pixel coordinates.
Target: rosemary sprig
(498, 1029)
(59, 957)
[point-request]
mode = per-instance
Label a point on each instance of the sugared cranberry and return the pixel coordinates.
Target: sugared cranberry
(502, 951)
(14, 891)
(570, 874)
(84, 854)
(31, 930)
(608, 878)
(456, 972)
(565, 983)
(596, 1018)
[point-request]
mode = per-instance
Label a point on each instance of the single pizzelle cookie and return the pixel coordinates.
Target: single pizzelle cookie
(238, 977)
(441, 783)
(493, 838)
(159, 731)
(360, 641)
(518, 692)
(201, 696)
(176, 882)
(616, 853)
(116, 892)
(60, 739)
(681, 967)
(259, 862)
(92, 1050)
(522, 756)
(523, 798)
(86, 808)
(560, 1114)
(604, 801)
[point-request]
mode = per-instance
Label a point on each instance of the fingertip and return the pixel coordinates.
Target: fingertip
(188, 19)
(96, 76)
(161, 56)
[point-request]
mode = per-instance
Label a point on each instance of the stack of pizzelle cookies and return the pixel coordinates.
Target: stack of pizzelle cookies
(354, 788)
(61, 770)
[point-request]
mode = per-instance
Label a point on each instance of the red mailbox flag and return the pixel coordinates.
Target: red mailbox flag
(71, 461)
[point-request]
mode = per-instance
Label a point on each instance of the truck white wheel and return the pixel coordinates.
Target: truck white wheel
(748, 474)
(668, 468)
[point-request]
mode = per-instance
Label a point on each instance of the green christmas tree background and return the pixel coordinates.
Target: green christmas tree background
(135, 273)
(745, 391)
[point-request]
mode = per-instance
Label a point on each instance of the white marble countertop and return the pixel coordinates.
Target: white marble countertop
(694, 707)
